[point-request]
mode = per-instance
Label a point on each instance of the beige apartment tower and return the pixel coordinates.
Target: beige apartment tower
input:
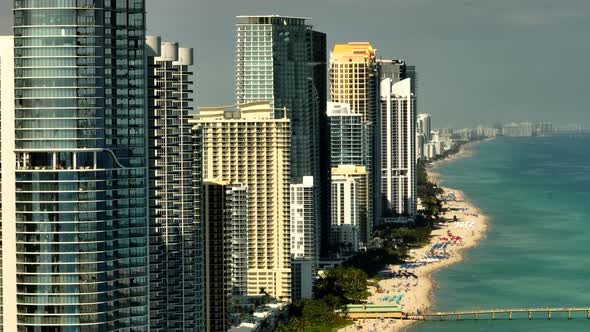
(245, 143)
(353, 78)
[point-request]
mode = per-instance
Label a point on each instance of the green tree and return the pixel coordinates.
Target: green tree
(348, 284)
(312, 315)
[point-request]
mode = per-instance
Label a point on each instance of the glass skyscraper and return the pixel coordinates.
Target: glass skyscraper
(281, 59)
(275, 62)
(81, 256)
(7, 147)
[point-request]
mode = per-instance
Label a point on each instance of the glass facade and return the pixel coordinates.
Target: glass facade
(280, 59)
(81, 178)
(347, 140)
(6, 83)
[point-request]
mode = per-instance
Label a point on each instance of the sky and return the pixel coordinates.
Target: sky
(479, 61)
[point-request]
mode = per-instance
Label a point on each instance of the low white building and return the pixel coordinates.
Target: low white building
(264, 319)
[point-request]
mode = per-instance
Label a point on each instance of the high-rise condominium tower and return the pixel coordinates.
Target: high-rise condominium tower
(250, 146)
(303, 226)
(423, 133)
(348, 149)
(283, 60)
(175, 277)
(396, 70)
(348, 135)
(7, 174)
(353, 78)
(392, 68)
(237, 206)
(304, 244)
(223, 213)
(424, 126)
(354, 81)
(349, 207)
(412, 74)
(75, 192)
(398, 153)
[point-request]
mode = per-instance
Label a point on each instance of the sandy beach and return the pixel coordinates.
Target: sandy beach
(447, 244)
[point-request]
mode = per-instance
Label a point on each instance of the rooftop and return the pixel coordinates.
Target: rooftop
(272, 16)
(349, 170)
(220, 182)
(361, 50)
(258, 110)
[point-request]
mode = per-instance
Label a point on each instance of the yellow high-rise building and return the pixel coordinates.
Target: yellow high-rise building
(353, 77)
(249, 146)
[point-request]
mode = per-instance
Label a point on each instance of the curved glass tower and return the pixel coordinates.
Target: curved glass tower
(81, 166)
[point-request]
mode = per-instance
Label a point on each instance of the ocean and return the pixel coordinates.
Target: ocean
(536, 253)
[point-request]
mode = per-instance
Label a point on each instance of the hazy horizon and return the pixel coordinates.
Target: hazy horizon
(479, 62)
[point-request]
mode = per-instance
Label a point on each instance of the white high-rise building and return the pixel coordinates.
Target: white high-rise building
(429, 151)
(398, 149)
(522, 129)
(419, 145)
(304, 229)
(349, 204)
(424, 126)
(437, 141)
(304, 239)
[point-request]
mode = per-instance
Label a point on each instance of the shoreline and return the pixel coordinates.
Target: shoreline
(418, 289)
(464, 152)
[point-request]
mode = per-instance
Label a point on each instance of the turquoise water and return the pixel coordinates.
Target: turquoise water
(536, 192)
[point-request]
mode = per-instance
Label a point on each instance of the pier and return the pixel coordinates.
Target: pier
(507, 314)
(393, 311)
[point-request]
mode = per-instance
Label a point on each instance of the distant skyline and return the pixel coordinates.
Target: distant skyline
(479, 62)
